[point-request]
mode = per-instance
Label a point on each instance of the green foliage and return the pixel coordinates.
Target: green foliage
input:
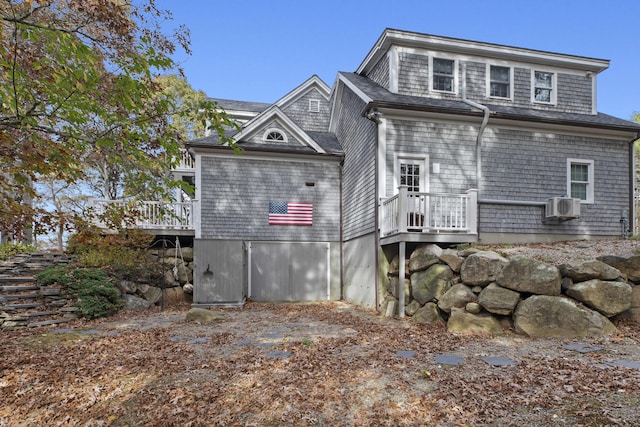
(9, 249)
(93, 292)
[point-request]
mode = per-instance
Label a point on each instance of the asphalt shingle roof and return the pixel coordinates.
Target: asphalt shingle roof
(381, 97)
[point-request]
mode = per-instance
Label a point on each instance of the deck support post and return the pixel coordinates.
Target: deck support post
(402, 256)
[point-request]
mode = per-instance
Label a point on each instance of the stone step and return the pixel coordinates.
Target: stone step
(17, 279)
(15, 297)
(19, 288)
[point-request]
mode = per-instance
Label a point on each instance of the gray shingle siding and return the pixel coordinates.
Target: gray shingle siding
(380, 73)
(574, 91)
(357, 135)
(449, 144)
(236, 194)
(531, 166)
(413, 74)
(298, 111)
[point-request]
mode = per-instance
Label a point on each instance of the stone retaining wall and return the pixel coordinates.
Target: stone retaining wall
(175, 287)
(476, 291)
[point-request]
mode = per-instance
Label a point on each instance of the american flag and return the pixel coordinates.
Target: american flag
(290, 213)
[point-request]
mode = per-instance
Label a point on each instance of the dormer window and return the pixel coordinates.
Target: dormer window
(544, 87)
(274, 135)
(443, 75)
(499, 82)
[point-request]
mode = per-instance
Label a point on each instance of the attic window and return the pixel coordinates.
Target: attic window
(274, 135)
(314, 106)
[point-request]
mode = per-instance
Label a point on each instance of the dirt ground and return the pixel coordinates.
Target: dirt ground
(321, 364)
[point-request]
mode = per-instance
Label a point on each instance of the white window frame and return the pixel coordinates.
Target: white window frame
(424, 160)
(488, 92)
(591, 181)
(314, 105)
(554, 86)
(271, 130)
(454, 77)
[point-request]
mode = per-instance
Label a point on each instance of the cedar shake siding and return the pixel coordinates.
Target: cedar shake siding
(357, 135)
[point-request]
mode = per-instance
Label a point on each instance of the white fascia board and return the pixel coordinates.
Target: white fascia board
(490, 50)
(270, 156)
(355, 89)
(313, 81)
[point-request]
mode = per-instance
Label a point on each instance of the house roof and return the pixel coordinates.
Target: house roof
(233, 105)
(377, 96)
(326, 140)
(391, 37)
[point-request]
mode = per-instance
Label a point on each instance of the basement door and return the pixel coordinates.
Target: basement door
(288, 271)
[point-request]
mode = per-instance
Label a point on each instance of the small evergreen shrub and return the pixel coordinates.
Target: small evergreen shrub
(93, 292)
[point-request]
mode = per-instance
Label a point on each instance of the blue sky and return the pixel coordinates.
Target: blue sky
(260, 50)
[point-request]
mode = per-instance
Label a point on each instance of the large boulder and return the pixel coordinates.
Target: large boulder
(394, 288)
(132, 302)
(173, 296)
(609, 298)
(629, 265)
(457, 296)
(424, 257)
(482, 268)
(498, 300)
(560, 317)
(581, 272)
(428, 314)
(150, 293)
(452, 259)
(462, 322)
(528, 275)
(431, 284)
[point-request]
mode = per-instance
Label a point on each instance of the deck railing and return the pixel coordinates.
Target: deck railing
(146, 214)
(429, 212)
(185, 161)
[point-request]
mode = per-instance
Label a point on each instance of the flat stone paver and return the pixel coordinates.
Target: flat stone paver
(201, 340)
(242, 342)
(278, 355)
(407, 354)
(449, 359)
(582, 347)
(625, 364)
(498, 361)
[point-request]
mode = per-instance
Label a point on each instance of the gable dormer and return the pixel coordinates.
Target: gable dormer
(274, 129)
(308, 105)
(438, 67)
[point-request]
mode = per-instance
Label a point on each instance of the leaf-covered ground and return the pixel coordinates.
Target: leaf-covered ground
(328, 364)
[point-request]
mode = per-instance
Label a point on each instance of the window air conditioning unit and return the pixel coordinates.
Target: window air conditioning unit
(562, 208)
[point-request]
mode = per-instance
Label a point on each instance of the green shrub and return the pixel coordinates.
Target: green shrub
(10, 249)
(93, 292)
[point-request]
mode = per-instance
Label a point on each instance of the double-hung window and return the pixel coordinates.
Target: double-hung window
(580, 179)
(499, 81)
(544, 87)
(443, 75)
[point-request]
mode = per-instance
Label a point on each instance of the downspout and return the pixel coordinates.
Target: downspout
(374, 116)
(632, 185)
(340, 167)
(483, 125)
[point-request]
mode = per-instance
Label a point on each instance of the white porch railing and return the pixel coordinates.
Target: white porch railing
(148, 214)
(185, 161)
(430, 212)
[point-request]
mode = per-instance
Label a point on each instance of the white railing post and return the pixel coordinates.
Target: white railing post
(472, 211)
(403, 191)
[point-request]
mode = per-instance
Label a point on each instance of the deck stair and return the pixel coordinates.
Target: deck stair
(24, 303)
